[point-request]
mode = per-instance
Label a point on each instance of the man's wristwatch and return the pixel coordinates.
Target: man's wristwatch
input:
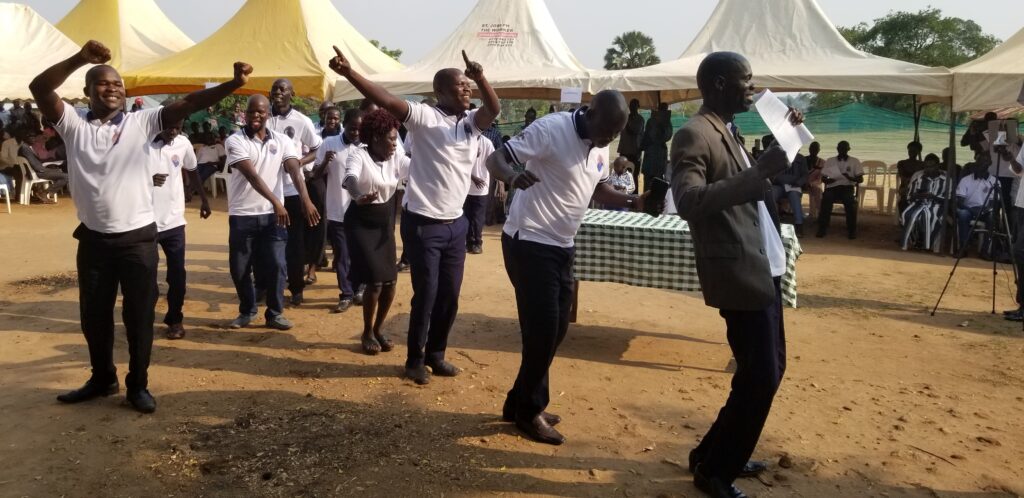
(631, 202)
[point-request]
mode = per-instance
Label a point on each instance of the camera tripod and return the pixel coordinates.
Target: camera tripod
(998, 229)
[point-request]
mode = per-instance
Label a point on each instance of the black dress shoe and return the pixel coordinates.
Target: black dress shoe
(419, 375)
(509, 415)
(752, 468)
(1015, 317)
(1013, 311)
(540, 431)
(714, 487)
(142, 401)
(90, 390)
(443, 369)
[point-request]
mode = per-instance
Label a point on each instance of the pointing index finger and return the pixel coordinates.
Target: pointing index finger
(465, 57)
(337, 50)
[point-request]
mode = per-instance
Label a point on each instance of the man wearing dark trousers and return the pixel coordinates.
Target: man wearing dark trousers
(433, 229)
(1016, 165)
(629, 141)
(113, 193)
(299, 128)
(840, 175)
(568, 164)
(476, 203)
(171, 154)
(727, 200)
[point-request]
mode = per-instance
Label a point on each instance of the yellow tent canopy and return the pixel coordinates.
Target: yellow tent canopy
(30, 45)
(280, 38)
(136, 31)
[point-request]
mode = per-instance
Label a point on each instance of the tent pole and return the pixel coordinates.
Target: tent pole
(947, 207)
(917, 120)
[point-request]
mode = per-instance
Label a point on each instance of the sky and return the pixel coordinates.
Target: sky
(588, 26)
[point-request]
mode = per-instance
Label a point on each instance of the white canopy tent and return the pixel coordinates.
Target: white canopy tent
(517, 43)
(137, 32)
(993, 80)
(791, 46)
(32, 44)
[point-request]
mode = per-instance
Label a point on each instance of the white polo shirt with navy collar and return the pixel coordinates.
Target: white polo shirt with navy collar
(557, 150)
(267, 157)
(300, 129)
(337, 198)
(108, 171)
(169, 198)
(445, 152)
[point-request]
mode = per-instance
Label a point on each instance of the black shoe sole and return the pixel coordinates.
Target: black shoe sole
(110, 391)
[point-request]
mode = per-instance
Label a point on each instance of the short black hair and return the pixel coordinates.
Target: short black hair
(350, 114)
(91, 74)
(714, 65)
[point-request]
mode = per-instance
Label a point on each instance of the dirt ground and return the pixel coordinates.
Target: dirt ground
(879, 399)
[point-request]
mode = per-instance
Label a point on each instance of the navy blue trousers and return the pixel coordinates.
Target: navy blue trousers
(758, 343)
(437, 257)
(542, 277)
(173, 244)
(256, 246)
(342, 264)
(475, 210)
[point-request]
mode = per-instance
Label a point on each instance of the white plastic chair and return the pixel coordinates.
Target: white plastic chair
(894, 190)
(7, 196)
(224, 177)
(30, 180)
(877, 176)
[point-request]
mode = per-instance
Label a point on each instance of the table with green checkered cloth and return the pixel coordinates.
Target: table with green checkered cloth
(638, 249)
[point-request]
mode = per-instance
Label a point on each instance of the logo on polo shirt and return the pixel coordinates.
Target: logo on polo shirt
(290, 132)
(600, 163)
(272, 147)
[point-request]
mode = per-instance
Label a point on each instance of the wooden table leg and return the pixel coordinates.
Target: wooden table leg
(575, 301)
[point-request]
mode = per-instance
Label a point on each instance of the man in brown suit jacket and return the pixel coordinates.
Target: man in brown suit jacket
(726, 199)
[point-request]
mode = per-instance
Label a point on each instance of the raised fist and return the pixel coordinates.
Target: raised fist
(95, 52)
(242, 72)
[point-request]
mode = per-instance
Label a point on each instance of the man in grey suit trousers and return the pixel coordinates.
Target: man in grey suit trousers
(727, 200)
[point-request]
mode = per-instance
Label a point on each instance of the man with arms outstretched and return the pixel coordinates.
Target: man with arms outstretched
(113, 193)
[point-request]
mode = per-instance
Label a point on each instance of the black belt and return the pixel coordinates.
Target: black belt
(427, 220)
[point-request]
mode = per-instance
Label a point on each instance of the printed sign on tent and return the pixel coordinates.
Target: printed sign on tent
(572, 95)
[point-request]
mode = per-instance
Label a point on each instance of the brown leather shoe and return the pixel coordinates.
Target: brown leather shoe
(539, 430)
(175, 331)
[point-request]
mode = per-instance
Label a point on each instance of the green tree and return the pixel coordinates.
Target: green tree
(394, 53)
(925, 37)
(630, 50)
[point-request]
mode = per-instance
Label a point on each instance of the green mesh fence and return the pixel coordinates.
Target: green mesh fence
(874, 133)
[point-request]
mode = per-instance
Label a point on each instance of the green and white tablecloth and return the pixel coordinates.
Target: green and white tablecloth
(637, 249)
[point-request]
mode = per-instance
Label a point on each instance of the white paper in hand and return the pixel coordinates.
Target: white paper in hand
(775, 114)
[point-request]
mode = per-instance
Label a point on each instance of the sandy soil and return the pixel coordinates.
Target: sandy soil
(880, 399)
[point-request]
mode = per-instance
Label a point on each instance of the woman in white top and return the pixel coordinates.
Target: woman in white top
(372, 175)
